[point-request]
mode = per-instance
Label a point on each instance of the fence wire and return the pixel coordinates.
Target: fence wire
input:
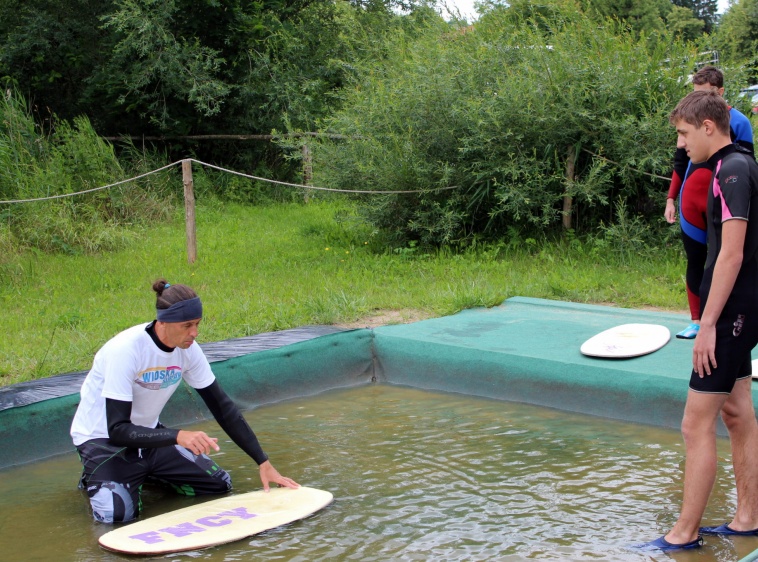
(219, 168)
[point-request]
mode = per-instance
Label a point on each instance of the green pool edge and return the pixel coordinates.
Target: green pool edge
(525, 350)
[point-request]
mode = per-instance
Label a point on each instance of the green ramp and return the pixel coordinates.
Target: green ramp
(527, 350)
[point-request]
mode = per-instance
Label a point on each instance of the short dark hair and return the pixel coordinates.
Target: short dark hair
(709, 75)
(696, 107)
(168, 294)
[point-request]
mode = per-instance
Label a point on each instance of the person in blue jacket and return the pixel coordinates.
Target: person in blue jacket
(689, 183)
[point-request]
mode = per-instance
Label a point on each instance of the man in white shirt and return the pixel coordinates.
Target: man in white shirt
(117, 431)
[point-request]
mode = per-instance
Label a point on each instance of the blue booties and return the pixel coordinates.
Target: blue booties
(663, 545)
(689, 332)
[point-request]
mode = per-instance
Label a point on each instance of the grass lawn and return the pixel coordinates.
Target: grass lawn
(268, 268)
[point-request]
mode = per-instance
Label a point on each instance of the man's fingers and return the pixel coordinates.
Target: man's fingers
(702, 364)
(198, 442)
(289, 483)
(208, 443)
(713, 362)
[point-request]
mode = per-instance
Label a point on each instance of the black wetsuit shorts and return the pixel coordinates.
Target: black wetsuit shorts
(736, 336)
(113, 476)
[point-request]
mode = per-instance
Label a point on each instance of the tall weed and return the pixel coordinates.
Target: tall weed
(629, 238)
(67, 159)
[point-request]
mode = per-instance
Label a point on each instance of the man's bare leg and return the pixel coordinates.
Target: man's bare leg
(699, 431)
(739, 417)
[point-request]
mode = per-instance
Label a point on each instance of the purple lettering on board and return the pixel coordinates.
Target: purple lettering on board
(183, 529)
(240, 512)
(151, 537)
(208, 521)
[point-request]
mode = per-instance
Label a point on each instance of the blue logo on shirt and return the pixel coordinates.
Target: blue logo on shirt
(157, 378)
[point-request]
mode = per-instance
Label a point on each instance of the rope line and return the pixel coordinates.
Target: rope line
(93, 189)
(51, 197)
(277, 182)
(320, 188)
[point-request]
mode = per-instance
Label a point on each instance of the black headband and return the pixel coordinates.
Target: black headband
(190, 309)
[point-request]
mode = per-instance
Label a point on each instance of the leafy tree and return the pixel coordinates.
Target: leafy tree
(500, 113)
(167, 69)
(683, 23)
(642, 16)
(48, 50)
(648, 16)
(704, 10)
(178, 67)
(737, 34)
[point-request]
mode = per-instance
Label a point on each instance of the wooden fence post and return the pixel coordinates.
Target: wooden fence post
(189, 210)
(307, 169)
(567, 200)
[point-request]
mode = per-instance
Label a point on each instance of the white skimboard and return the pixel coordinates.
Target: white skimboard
(627, 340)
(215, 522)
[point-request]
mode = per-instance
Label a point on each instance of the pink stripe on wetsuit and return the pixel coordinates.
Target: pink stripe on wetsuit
(726, 214)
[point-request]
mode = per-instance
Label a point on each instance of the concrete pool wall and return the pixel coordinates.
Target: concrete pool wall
(526, 350)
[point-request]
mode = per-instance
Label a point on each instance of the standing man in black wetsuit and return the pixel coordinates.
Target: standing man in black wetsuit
(689, 184)
(720, 382)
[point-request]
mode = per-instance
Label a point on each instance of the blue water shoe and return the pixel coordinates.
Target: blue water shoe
(727, 530)
(665, 546)
(689, 332)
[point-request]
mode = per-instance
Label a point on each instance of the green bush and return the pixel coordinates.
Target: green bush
(498, 110)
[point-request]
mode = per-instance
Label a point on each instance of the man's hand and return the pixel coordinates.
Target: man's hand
(670, 212)
(270, 474)
(704, 351)
(197, 442)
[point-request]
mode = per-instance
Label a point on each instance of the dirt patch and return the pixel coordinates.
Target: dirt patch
(387, 317)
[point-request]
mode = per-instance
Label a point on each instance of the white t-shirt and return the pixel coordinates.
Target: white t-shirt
(130, 367)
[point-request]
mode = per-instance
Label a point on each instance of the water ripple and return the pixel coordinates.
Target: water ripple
(423, 476)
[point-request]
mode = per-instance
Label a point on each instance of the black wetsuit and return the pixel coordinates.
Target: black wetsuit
(733, 195)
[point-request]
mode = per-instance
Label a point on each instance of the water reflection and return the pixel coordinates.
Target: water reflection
(416, 476)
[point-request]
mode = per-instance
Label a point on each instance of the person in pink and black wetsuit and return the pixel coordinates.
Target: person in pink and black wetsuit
(689, 183)
(721, 377)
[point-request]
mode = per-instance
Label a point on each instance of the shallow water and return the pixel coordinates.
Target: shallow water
(416, 475)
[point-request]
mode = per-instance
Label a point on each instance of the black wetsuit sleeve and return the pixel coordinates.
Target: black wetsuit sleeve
(231, 421)
(123, 432)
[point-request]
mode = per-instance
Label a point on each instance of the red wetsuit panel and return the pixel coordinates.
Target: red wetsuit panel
(695, 195)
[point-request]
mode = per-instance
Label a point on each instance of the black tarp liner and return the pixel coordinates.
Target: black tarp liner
(25, 393)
